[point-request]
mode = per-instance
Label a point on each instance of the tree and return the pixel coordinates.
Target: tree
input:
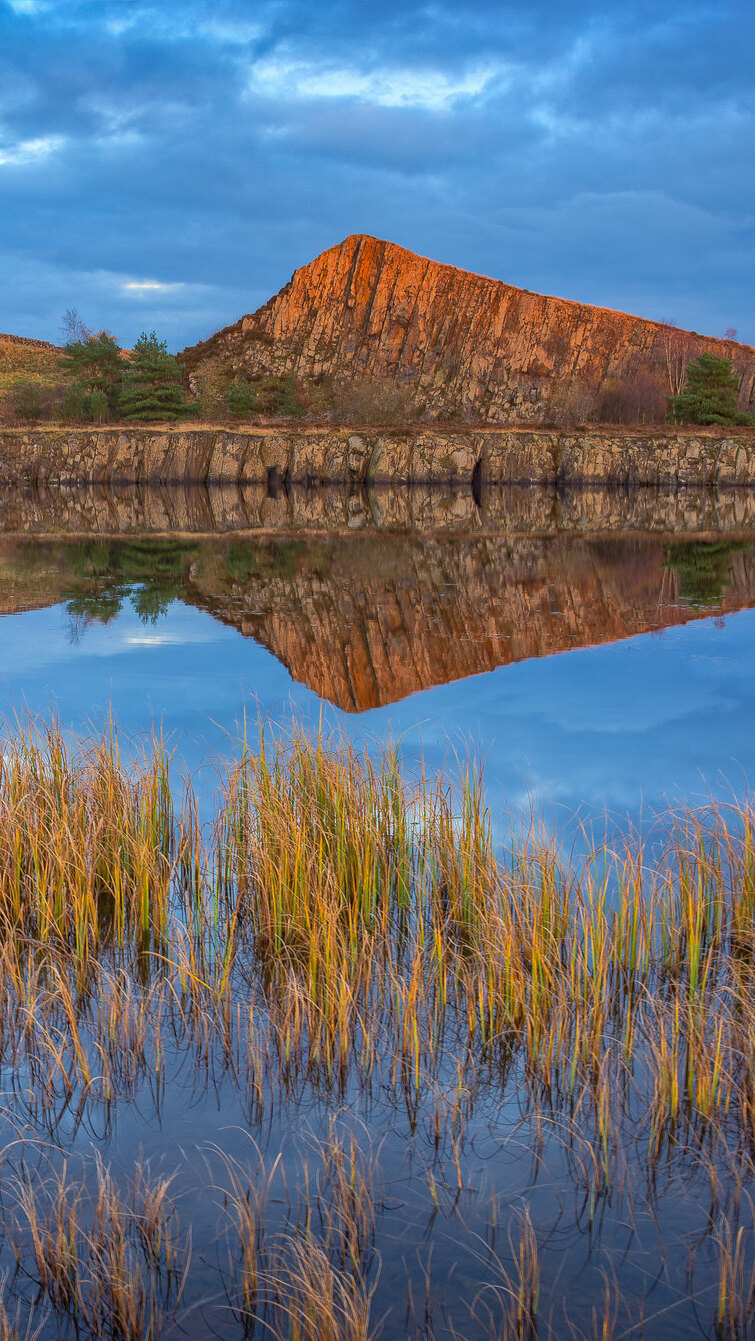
(97, 406)
(73, 329)
(241, 397)
(96, 364)
(709, 396)
(676, 345)
(74, 405)
(152, 382)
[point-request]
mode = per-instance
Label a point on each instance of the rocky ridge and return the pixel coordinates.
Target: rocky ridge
(463, 344)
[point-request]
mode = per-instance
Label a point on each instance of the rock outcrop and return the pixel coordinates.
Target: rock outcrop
(277, 455)
(462, 344)
(365, 622)
(251, 510)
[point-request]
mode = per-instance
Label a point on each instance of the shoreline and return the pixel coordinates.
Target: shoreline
(278, 455)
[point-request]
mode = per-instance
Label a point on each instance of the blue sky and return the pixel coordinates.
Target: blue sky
(168, 164)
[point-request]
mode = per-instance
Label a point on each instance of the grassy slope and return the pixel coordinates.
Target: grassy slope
(33, 362)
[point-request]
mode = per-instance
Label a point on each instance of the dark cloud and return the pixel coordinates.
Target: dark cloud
(591, 150)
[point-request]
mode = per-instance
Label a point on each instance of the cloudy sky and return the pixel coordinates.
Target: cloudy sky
(168, 163)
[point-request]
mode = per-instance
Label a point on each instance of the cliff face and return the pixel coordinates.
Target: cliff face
(327, 455)
(464, 344)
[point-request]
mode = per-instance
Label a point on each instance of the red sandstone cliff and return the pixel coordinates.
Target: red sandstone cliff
(461, 343)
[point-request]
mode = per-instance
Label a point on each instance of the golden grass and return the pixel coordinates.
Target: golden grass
(340, 927)
(115, 1265)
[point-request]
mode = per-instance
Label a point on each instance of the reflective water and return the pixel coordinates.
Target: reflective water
(594, 652)
(588, 660)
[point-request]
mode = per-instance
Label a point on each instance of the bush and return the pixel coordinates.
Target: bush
(241, 397)
(709, 396)
(97, 408)
(28, 402)
(374, 400)
(635, 399)
(210, 385)
(570, 404)
(74, 407)
(288, 398)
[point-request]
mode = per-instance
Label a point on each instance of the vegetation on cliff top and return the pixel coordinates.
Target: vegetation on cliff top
(92, 380)
(709, 395)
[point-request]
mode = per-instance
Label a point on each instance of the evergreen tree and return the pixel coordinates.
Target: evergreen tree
(74, 405)
(96, 364)
(152, 382)
(289, 400)
(241, 396)
(709, 396)
(97, 406)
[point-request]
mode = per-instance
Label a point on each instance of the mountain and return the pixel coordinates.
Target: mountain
(369, 314)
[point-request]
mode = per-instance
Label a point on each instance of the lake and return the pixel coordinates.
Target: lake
(592, 654)
(599, 672)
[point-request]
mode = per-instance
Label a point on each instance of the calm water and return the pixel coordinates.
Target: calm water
(600, 673)
(592, 670)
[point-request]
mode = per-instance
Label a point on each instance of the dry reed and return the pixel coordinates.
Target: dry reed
(342, 928)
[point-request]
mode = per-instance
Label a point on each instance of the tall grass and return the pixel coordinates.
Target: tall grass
(340, 929)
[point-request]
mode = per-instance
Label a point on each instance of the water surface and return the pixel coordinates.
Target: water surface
(592, 652)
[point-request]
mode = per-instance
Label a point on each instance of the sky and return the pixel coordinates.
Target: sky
(167, 164)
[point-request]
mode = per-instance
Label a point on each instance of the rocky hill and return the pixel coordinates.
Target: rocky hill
(29, 360)
(367, 314)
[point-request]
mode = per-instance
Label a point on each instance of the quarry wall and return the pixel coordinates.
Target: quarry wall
(273, 456)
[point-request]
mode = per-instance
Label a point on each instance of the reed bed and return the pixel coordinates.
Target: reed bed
(344, 937)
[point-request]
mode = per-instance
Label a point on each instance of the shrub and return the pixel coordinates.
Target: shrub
(28, 402)
(638, 398)
(97, 408)
(374, 400)
(570, 404)
(210, 385)
(241, 397)
(74, 405)
(288, 397)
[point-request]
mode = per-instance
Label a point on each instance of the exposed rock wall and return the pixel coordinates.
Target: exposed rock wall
(152, 456)
(465, 343)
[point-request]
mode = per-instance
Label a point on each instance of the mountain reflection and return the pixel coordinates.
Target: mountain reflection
(367, 614)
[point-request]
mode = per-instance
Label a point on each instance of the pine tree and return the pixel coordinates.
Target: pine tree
(709, 396)
(241, 397)
(152, 382)
(74, 405)
(97, 406)
(96, 364)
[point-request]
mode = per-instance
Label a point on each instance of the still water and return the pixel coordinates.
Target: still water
(604, 673)
(593, 655)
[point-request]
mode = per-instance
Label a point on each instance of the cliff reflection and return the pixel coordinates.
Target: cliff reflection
(368, 613)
